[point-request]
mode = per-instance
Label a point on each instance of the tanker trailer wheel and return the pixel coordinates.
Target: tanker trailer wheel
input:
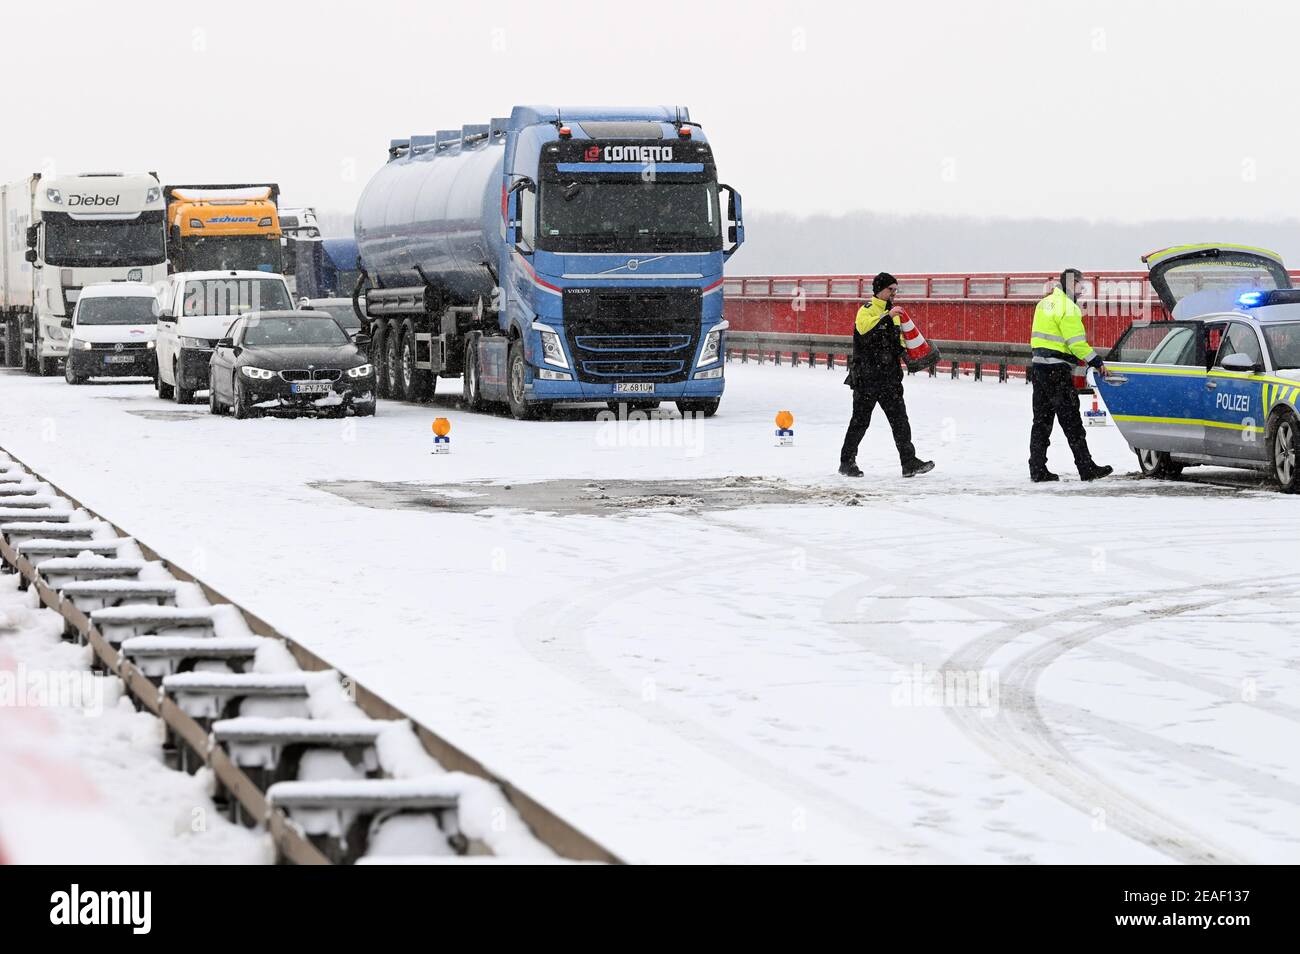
(393, 360)
(471, 387)
(516, 375)
(417, 384)
(379, 358)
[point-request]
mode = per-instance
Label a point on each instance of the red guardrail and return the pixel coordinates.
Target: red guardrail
(975, 306)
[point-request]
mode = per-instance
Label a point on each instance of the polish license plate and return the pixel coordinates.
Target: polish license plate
(312, 387)
(634, 389)
(118, 358)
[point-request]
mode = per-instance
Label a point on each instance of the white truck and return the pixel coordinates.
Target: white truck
(62, 233)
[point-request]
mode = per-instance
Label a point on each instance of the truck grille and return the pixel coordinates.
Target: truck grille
(632, 335)
(125, 346)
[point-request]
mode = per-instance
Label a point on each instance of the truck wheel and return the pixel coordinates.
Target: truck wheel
(49, 367)
(164, 389)
(379, 358)
(415, 381)
(393, 361)
(69, 376)
(516, 375)
(471, 386)
(706, 406)
(1286, 436)
(183, 395)
(1157, 464)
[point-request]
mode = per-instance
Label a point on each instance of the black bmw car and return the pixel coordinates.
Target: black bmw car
(290, 361)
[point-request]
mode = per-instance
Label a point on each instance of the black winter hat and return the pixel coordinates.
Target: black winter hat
(883, 280)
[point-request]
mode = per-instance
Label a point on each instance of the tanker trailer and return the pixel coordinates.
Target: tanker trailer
(568, 254)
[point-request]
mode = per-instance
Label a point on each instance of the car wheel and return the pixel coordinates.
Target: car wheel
(706, 406)
(241, 408)
(471, 387)
(1285, 469)
(365, 410)
(516, 378)
(1157, 464)
(71, 377)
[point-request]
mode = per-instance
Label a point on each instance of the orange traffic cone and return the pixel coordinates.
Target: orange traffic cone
(920, 353)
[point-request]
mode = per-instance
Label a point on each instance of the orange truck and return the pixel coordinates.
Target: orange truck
(223, 227)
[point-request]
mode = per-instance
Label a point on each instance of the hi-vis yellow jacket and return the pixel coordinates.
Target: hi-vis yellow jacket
(869, 315)
(1058, 336)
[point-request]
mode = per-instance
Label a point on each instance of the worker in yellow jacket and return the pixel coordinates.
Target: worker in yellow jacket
(1059, 343)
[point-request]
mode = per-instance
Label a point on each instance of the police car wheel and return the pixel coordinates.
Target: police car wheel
(1157, 464)
(1284, 451)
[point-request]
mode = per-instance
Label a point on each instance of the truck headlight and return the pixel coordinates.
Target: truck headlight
(552, 350)
(152, 195)
(712, 347)
(56, 334)
(361, 371)
(150, 345)
(257, 374)
(201, 343)
(54, 196)
(706, 375)
(82, 345)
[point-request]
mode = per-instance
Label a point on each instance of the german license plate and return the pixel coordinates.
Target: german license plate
(118, 358)
(312, 387)
(634, 389)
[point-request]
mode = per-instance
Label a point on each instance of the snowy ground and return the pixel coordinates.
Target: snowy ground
(713, 681)
(92, 788)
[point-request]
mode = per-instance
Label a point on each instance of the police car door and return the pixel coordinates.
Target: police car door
(1234, 412)
(1155, 390)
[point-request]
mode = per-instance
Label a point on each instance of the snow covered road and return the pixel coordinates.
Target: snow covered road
(959, 667)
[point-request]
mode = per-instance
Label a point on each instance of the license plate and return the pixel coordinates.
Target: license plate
(118, 358)
(312, 387)
(634, 389)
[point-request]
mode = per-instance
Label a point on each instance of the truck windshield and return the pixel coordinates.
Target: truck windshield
(623, 212)
(118, 310)
(254, 253)
(84, 243)
(235, 296)
(306, 329)
(1284, 344)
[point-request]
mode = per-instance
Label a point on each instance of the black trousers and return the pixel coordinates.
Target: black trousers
(1055, 399)
(890, 398)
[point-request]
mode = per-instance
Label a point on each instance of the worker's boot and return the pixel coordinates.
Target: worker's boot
(1042, 476)
(918, 466)
(850, 469)
(1095, 471)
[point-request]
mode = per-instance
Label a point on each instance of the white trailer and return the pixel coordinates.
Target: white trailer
(62, 233)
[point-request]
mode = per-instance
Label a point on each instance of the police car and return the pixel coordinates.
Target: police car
(1218, 382)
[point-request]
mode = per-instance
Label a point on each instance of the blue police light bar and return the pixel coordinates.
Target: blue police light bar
(1251, 299)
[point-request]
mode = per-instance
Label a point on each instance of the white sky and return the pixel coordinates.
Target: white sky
(1130, 110)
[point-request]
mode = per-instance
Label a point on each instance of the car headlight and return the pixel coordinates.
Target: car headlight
(257, 374)
(361, 371)
(712, 346)
(194, 343)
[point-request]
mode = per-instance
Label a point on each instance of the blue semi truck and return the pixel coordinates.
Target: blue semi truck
(561, 255)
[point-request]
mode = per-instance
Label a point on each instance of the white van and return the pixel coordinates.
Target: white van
(113, 330)
(195, 309)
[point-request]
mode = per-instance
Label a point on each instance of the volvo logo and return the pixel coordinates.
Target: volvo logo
(118, 346)
(632, 264)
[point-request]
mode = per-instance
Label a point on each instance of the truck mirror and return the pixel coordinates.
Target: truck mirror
(512, 216)
(31, 237)
(30, 255)
(65, 323)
